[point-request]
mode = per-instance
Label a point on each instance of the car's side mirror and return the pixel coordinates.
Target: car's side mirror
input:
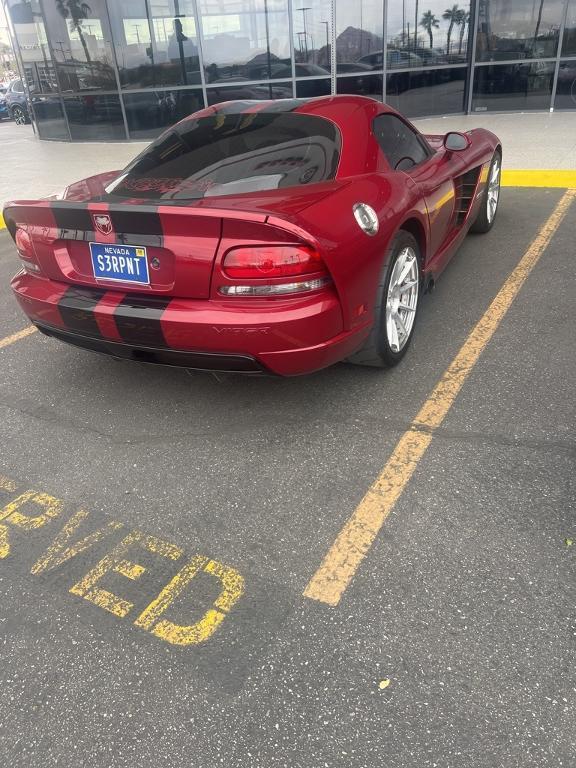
(456, 142)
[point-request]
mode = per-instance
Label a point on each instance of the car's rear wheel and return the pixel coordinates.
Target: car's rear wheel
(489, 207)
(20, 115)
(396, 306)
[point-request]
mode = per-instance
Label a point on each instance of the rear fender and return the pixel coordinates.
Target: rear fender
(241, 232)
(355, 259)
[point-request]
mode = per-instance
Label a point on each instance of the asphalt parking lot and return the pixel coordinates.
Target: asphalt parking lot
(161, 528)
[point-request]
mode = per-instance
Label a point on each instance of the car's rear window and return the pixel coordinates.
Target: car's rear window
(226, 154)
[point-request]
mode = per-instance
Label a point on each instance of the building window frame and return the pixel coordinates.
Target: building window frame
(471, 65)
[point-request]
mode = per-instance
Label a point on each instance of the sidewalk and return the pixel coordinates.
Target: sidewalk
(33, 168)
(529, 140)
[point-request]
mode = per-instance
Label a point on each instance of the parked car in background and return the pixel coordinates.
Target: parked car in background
(3, 108)
(234, 88)
(17, 102)
(395, 59)
(346, 67)
(432, 57)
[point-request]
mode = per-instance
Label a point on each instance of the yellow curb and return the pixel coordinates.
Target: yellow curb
(2, 222)
(544, 178)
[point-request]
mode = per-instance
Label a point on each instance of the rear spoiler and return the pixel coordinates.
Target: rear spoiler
(38, 213)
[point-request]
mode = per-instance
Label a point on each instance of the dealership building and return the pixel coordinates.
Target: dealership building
(125, 69)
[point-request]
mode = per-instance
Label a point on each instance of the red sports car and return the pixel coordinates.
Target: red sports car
(277, 237)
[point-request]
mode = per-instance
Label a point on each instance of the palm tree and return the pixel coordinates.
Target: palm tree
(76, 11)
(463, 21)
(452, 15)
(429, 22)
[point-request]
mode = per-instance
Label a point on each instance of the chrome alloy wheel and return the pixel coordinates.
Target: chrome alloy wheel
(493, 190)
(19, 116)
(402, 299)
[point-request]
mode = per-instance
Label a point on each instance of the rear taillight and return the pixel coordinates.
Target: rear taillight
(271, 261)
(24, 244)
(26, 250)
(276, 289)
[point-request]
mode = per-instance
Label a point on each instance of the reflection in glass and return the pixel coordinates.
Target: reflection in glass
(95, 118)
(517, 29)
(427, 33)
(359, 28)
(569, 39)
(312, 32)
(81, 43)
(362, 85)
(155, 42)
(306, 89)
(249, 91)
(49, 117)
(507, 87)
(148, 113)
(428, 92)
(38, 67)
(566, 86)
(245, 39)
(154, 48)
(31, 35)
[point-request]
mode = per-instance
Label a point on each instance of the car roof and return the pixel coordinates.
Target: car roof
(352, 115)
(346, 110)
(347, 102)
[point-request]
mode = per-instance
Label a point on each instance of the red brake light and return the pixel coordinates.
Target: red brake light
(24, 244)
(270, 261)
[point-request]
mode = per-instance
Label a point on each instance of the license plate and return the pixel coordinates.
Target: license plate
(123, 263)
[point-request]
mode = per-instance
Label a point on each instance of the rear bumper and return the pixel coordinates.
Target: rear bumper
(288, 337)
(200, 361)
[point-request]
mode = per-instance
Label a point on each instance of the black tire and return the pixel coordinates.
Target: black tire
(483, 223)
(377, 352)
(20, 115)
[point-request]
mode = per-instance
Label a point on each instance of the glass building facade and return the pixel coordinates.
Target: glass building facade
(126, 69)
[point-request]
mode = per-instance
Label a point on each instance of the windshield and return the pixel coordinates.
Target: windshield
(226, 154)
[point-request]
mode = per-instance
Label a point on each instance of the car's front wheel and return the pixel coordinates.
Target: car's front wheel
(396, 306)
(20, 115)
(489, 206)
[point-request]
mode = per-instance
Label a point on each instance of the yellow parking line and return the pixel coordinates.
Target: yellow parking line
(2, 222)
(17, 336)
(356, 537)
(545, 178)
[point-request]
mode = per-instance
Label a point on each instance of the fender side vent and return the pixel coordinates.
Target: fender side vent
(465, 190)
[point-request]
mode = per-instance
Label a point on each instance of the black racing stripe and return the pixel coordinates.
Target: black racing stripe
(235, 107)
(277, 105)
(286, 105)
(77, 309)
(74, 223)
(134, 227)
(138, 320)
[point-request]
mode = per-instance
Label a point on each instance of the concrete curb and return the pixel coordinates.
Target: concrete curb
(563, 179)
